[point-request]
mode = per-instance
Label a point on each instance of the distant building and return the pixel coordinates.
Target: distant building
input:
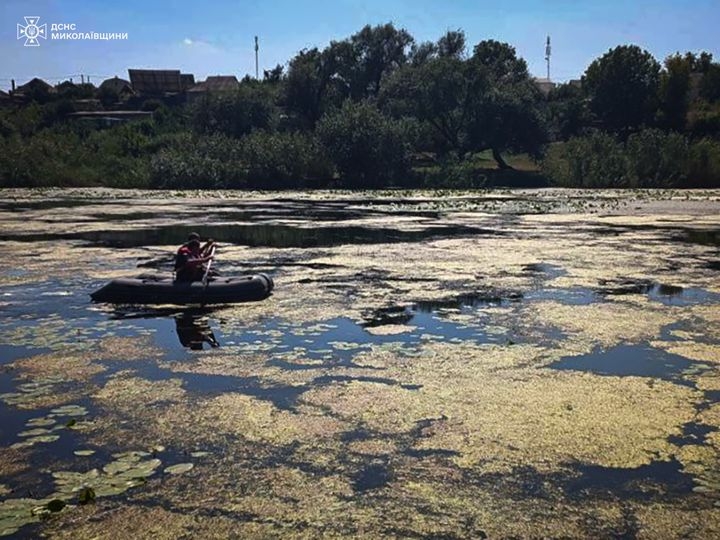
(109, 118)
(90, 104)
(5, 99)
(577, 83)
(118, 86)
(160, 82)
(544, 85)
(213, 85)
(34, 85)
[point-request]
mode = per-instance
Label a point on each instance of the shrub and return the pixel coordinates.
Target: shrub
(200, 163)
(656, 158)
(368, 149)
(593, 161)
(234, 113)
(703, 164)
(284, 160)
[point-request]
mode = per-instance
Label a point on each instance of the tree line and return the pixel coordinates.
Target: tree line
(379, 109)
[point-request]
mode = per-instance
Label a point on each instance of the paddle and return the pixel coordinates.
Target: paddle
(207, 270)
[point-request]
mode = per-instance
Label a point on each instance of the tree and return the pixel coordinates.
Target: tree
(674, 91)
(623, 87)
(568, 111)
(235, 113)
(710, 84)
(485, 102)
(368, 149)
(308, 80)
(451, 45)
(507, 115)
(438, 93)
(376, 52)
(273, 75)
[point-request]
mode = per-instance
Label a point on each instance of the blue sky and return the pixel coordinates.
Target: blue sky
(216, 37)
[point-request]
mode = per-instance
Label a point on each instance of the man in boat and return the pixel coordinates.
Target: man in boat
(205, 248)
(191, 258)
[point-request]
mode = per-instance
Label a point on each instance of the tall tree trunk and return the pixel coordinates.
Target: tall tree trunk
(500, 161)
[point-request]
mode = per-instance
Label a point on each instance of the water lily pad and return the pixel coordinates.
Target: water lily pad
(179, 468)
(69, 410)
(43, 421)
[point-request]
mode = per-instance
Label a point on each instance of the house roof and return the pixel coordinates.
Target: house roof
(156, 81)
(33, 83)
(217, 83)
(116, 84)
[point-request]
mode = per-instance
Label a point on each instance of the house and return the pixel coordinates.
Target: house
(84, 105)
(159, 82)
(6, 99)
(34, 86)
(109, 118)
(544, 85)
(115, 85)
(213, 85)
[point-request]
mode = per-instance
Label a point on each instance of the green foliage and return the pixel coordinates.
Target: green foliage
(650, 158)
(568, 113)
(357, 111)
(703, 164)
(437, 93)
(455, 174)
(623, 86)
(284, 160)
(485, 102)
(208, 162)
(593, 161)
(710, 83)
(655, 158)
(368, 149)
(234, 113)
(674, 92)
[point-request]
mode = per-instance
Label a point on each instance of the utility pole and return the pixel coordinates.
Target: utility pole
(257, 69)
(82, 79)
(547, 56)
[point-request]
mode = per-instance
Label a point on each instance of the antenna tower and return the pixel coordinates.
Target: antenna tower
(257, 71)
(547, 56)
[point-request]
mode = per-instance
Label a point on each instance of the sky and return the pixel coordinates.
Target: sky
(217, 37)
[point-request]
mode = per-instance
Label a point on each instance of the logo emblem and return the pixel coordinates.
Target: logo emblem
(31, 32)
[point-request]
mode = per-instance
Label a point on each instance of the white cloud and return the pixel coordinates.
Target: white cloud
(188, 41)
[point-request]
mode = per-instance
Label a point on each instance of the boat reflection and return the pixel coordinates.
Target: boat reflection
(192, 325)
(194, 331)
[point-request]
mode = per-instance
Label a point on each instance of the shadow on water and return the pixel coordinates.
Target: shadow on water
(669, 295)
(634, 361)
(630, 482)
(254, 235)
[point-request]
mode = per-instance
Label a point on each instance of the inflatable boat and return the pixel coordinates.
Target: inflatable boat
(154, 290)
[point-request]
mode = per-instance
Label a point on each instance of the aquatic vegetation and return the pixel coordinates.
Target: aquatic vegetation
(403, 388)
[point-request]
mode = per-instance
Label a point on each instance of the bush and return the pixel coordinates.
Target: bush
(235, 113)
(593, 161)
(454, 174)
(368, 149)
(284, 160)
(656, 158)
(50, 158)
(703, 164)
(211, 162)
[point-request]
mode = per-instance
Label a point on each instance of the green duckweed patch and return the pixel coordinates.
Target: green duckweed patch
(392, 430)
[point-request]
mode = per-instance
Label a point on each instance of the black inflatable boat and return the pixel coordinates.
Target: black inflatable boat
(153, 290)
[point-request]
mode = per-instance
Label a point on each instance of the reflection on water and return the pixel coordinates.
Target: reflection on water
(194, 331)
(254, 235)
(634, 361)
